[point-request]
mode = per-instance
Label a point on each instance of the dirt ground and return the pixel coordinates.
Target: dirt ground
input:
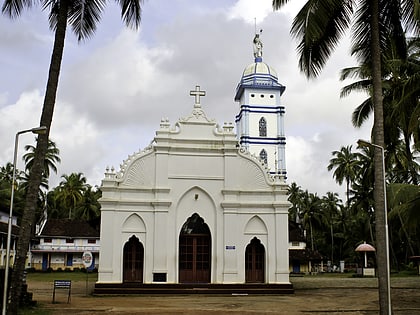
(313, 295)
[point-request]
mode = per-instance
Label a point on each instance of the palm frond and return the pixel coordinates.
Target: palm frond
(13, 8)
(319, 26)
(362, 112)
(84, 16)
(277, 4)
(411, 14)
(131, 12)
(404, 199)
(389, 26)
(351, 72)
(359, 86)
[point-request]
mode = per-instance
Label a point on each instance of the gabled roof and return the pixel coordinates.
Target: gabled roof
(296, 232)
(4, 228)
(65, 228)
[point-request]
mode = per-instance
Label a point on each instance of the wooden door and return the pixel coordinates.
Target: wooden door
(254, 262)
(133, 258)
(194, 251)
(194, 259)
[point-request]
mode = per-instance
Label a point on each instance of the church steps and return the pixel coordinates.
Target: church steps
(192, 288)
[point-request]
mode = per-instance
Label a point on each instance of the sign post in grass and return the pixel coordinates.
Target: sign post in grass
(62, 284)
(87, 259)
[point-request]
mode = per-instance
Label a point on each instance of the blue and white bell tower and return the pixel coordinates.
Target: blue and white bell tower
(260, 121)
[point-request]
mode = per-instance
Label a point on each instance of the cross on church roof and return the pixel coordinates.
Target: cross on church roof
(197, 93)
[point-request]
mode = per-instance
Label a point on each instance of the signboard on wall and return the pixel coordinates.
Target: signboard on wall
(87, 259)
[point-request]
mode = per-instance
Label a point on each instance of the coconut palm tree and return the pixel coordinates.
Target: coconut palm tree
(401, 68)
(70, 191)
(6, 176)
(404, 202)
(295, 197)
(83, 17)
(54, 205)
(331, 208)
(52, 157)
(346, 167)
(89, 208)
(319, 26)
(311, 214)
(6, 173)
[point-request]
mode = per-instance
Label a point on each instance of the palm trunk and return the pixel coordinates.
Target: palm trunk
(348, 192)
(332, 243)
(372, 238)
(312, 236)
(411, 171)
(407, 235)
(35, 176)
(379, 190)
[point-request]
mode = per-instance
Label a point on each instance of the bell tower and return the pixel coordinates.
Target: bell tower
(260, 121)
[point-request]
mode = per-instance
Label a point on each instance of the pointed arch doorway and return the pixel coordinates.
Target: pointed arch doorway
(254, 262)
(194, 251)
(133, 259)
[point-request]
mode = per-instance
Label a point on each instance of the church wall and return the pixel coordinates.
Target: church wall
(130, 220)
(282, 244)
(249, 198)
(108, 259)
(267, 236)
(200, 167)
(161, 251)
(243, 218)
(225, 186)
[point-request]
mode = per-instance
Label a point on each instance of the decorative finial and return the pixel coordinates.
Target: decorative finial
(258, 45)
(197, 93)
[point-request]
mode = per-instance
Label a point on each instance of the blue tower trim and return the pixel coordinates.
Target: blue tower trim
(265, 140)
(261, 81)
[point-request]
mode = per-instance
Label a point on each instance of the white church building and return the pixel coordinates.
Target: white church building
(203, 204)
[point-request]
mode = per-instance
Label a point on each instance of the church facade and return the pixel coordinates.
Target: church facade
(198, 205)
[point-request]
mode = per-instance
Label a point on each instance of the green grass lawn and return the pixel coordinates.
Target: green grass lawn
(62, 275)
(33, 311)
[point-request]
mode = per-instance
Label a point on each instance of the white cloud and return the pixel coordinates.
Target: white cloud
(248, 10)
(22, 115)
(115, 88)
(3, 99)
(75, 135)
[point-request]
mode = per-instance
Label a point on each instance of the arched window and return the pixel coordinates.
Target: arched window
(263, 156)
(263, 127)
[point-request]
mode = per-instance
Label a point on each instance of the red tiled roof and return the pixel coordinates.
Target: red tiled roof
(69, 229)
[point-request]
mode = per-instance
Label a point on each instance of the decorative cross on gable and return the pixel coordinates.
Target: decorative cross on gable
(197, 94)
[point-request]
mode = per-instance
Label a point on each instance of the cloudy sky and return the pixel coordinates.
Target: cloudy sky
(115, 88)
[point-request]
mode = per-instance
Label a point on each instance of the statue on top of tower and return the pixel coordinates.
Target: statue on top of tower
(258, 45)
